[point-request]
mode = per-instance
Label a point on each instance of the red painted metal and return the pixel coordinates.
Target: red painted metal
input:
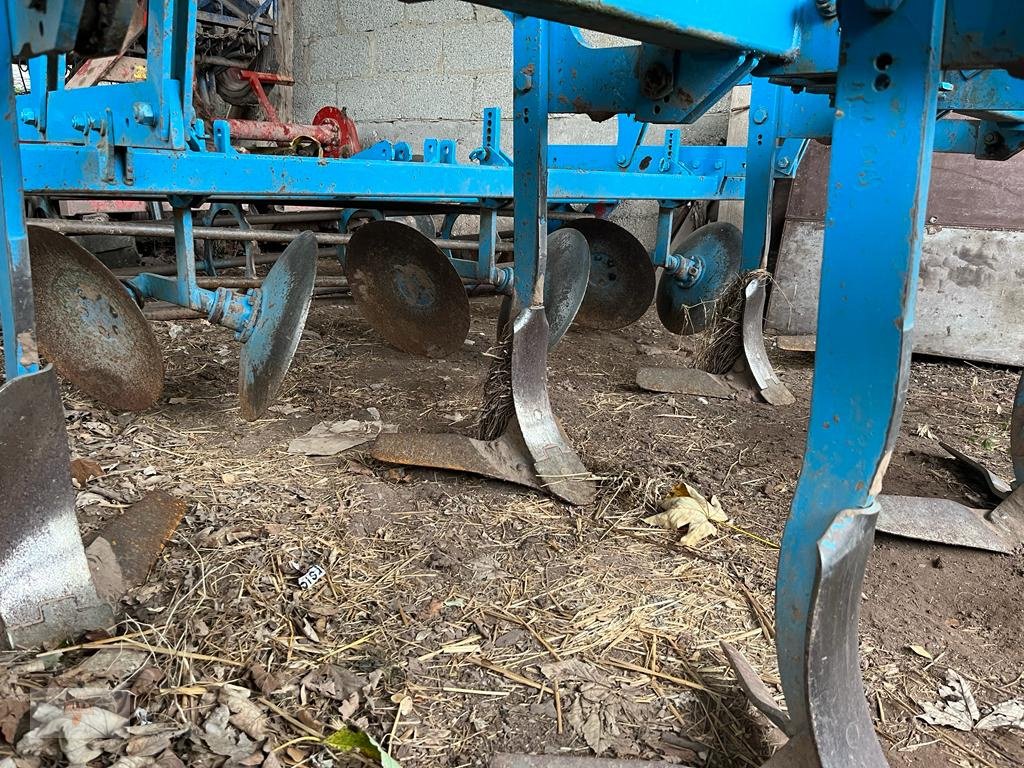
(348, 137)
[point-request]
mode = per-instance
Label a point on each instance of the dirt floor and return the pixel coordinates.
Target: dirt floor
(461, 617)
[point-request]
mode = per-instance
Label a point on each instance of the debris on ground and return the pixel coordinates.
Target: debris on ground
(686, 508)
(958, 709)
(330, 439)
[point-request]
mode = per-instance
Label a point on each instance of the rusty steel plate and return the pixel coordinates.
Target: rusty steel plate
(137, 535)
(284, 304)
(407, 289)
(90, 328)
(687, 304)
(565, 284)
(622, 278)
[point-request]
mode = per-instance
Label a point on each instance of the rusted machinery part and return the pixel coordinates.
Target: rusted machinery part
(407, 289)
(90, 328)
(622, 277)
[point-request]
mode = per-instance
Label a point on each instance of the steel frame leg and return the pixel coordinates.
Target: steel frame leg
(881, 160)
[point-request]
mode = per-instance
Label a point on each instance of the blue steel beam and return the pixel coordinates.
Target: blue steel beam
(68, 171)
(698, 25)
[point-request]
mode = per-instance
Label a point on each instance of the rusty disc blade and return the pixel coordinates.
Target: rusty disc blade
(565, 284)
(622, 278)
(407, 289)
(686, 305)
(90, 328)
(284, 304)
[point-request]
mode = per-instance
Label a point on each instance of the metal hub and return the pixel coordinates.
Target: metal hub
(687, 302)
(565, 284)
(622, 277)
(90, 328)
(407, 289)
(283, 306)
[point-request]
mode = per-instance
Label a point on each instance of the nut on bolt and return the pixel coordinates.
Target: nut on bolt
(143, 112)
(28, 116)
(80, 122)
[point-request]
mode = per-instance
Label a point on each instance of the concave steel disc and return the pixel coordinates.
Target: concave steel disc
(686, 308)
(565, 283)
(90, 328)
(622, 277)
(285, 296)
(407, 289)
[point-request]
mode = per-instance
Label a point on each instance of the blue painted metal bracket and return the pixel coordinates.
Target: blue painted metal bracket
(657, 85)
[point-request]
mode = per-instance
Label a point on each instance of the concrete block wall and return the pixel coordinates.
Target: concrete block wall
(407, 72)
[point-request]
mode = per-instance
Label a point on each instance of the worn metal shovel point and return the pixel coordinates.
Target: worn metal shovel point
(521, 441)
(46, 591)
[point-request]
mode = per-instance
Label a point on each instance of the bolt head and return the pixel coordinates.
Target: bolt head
(28, 116)
(991, 138)
(760, 116)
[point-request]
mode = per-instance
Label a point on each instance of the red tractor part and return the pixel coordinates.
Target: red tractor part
(332, 129)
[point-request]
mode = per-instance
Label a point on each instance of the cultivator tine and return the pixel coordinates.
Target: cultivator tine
(284, 300)
(756, 691)
(840, 721)
(90, 328)
(769, 385)
(504, 458)
(839, 732)
(137, 536)
(944, 521)
(46, 591)
(555, 462)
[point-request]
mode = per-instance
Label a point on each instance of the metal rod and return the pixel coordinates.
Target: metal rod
(149, 229)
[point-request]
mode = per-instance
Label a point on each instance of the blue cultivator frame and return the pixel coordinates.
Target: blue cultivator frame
(877, 86)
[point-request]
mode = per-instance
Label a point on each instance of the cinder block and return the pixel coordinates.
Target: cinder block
(492, 90)
(409, 96)
(486, 13)
(370, 15)
(406, 49)
(478, 47)
(307, 99)
(339, 57)
(316, 18)
(439, 12)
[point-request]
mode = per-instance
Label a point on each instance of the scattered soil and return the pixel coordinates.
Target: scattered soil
(460, 617)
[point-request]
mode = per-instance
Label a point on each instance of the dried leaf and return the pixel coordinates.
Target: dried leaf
(687, 508)
(921, 651)
(73, 733)
(83, 470)
(267, 683)
(1009, 714)
(12, 709)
